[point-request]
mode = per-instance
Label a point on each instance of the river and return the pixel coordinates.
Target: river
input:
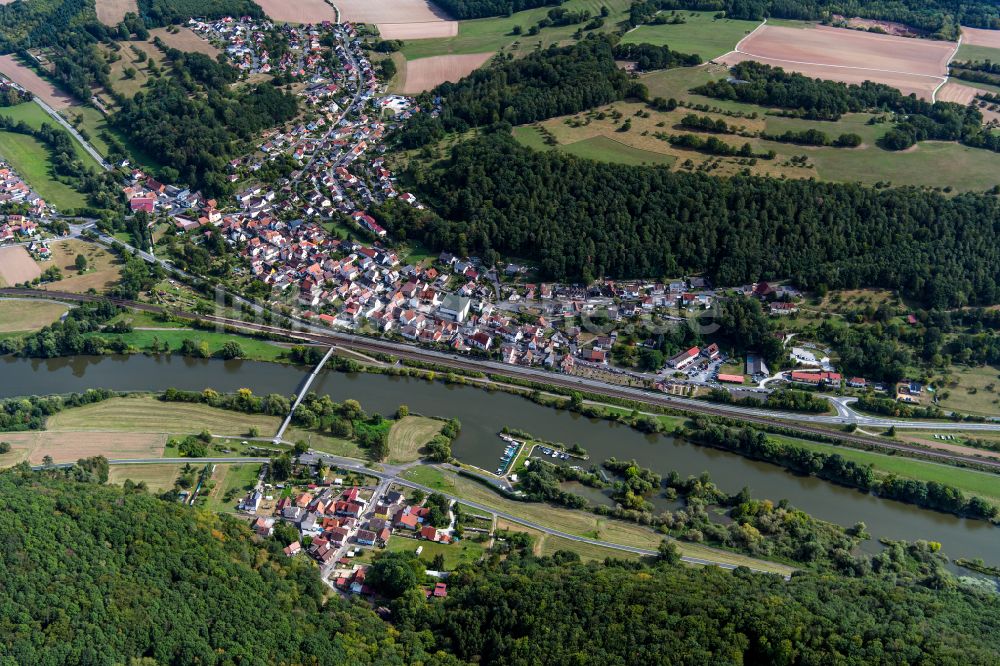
(483, 414)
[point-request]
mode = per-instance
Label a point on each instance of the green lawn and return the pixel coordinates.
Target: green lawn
(971, 52)
(142, 413)
(33, 115)
(599, 148)
(493, 34)
(678, 82)
(974, 390)
(701, 34)
(970, 481)
(258, 350)
(856, 123)
(409, 435)
(930, 163)
(326, 443)
(30, 158)
(465, 551)
(230, 477)
(606, 149)
(669, 422)
(140, 319)
(158, 478)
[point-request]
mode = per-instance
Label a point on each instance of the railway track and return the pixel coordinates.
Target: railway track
(350, 341)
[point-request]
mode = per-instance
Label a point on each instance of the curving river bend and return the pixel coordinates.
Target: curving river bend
(483, 414)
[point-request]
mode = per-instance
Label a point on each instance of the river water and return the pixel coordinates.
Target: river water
(483, 414)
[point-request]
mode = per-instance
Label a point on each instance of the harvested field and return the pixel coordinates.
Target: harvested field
(146, 414)
(71, 446)
(103, 268)
(23, 75)
(425, 73)
(922, 86)
(28, 315)
(183, 40)
(158, 478)
(981, 37)
(17, 266)
(111, 12)
(299, 11)
(421, 30)
(390, 11)
(849, 56)
(962, 94)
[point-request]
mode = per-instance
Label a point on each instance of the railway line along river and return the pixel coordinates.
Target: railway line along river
(483, 414)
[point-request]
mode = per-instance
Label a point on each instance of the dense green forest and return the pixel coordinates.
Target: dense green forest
(42, 22)
(544, 84)
(195, 137)
(649, 57)
(162, 12)
(582, 219)
(523, 610)
(470, 9)
(101, 575)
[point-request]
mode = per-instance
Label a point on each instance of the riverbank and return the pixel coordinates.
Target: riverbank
(483, 414)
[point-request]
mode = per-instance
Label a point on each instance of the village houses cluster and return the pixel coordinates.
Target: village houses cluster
(336, 522)
(284, 233)
(16, 195)
(258, 46)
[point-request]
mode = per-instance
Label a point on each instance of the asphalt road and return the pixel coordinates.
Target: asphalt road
(76, 135)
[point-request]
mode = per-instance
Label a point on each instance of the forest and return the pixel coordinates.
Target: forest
(582, 219)
(544, 84)
(648, 57)
(630, 613)
(196, 136)
(157, 13)
(141, 580)
(471, 9)
(96, 574)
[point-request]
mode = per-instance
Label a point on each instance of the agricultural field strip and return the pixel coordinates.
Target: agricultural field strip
(743, 49)
(823, 64)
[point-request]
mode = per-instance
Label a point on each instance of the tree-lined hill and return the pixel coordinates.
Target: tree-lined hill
(94, 574)
(582, 219)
